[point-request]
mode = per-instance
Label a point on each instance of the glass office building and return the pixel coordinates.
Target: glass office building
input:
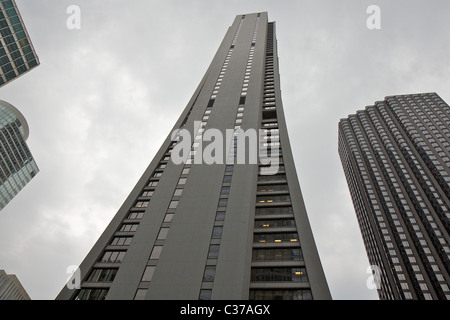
(223, 229)
(17, 166)
(17, 54)
(396, 158)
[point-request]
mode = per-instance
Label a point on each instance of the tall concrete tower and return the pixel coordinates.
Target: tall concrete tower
(224, 217)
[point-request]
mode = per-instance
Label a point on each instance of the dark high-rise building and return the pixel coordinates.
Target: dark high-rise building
(17, 166)
(17, 54)
(396, 158)
(212, 217)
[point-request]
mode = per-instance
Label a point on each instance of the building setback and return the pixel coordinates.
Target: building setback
(17, 166)
(396, 158)
(226, 230)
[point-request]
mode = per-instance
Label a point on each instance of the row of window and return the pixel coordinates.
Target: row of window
(272, 240)
(213, 253)
(157, 249)
(288, 294)
(279, 274)
(20, 57)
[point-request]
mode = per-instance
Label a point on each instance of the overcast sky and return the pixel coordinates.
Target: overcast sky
(106, 96)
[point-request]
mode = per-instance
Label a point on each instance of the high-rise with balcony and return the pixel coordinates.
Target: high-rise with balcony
(17, 165)
(17, 54)
(396, 158)
(220, 219)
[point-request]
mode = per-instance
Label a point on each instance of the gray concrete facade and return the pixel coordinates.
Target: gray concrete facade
(197, 238)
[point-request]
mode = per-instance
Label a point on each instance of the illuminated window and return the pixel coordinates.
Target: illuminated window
(142, 204)
(275, 237)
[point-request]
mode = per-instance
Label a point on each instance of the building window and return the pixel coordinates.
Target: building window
(277, 254)
(209, 274)
(275, 237)
(280, 295)
(225, 190)
(213, 252)
(140, 294)
(153, 183)
(205, 294)
(223, 202)
(217, 232)
(173, 204)
(121, 241)
(136, 215)
(147, 193)
(92, 294)
(178, 192)
(274, 223)
(102, 275)
(275, 177)
(142, 204)
(148, 273)
(129, 227)
(273, 210)
(279, 274)
(220, 215)
(163, 233)
(273, 198)
(168, 217)
(272, 187)
(156, 252)
(113, 256)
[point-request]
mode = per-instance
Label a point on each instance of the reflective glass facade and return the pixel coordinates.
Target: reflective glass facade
(396, 158)
(17, 54)
(17, 166)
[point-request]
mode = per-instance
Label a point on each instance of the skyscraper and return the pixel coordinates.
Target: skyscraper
(11, 288)
(17, 54)
(396, 158)
(210, 221)
(17, 166)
